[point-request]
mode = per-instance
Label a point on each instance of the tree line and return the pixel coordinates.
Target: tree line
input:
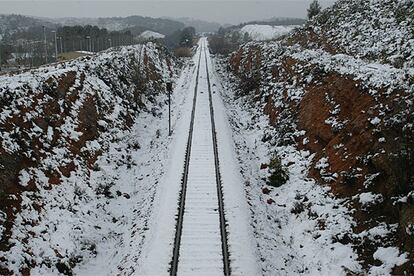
(38, 45)
(90, 38)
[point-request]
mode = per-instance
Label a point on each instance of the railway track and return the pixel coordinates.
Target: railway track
(200, 244)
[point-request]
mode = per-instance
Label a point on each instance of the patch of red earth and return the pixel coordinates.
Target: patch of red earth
(356, 136)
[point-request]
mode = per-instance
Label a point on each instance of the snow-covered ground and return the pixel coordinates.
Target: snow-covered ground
(150, 35)
(265, 32)
(85, 52)
(116, 216)
(124, 255)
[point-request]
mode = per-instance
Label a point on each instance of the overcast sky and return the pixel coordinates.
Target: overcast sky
(227, 11)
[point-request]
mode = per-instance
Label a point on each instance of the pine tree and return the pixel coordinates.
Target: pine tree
(314, 9)
(246, 37)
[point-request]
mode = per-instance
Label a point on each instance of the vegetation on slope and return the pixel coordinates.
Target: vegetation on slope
(345, 83)
(55, 123)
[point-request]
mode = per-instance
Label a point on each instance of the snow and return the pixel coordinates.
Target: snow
(379, 232)
(85, 52)
(94, 218)
(242, 247)
(370, 73)
(375, 121)
(369, 198)
(150, 35)
(200, 250)
(197, 253)
(161, 226)
(118, 218)
(369, 44)
(24, 178)
(50, 133)
(389, 257)
(265, 32)
(373, 30)
(369, 179)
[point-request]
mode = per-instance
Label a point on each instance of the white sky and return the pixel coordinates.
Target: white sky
(227, 11)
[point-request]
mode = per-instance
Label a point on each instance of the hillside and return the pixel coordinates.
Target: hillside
(379, 31)
(71, 135)
(337, 97)
(14, 27)
(13, 23)
(271, 21)
(136, 24)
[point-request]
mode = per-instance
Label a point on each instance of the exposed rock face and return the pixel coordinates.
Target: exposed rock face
(355, 115)
(51, 118)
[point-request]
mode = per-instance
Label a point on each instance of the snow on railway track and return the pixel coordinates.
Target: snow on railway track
(199, 239)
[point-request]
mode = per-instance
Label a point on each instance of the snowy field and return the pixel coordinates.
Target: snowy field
(265, 32)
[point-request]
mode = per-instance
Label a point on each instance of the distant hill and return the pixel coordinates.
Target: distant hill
(283, 21)
(14, 23)
(199, 25)
(14, 27)
(136, 24)
(275, 21)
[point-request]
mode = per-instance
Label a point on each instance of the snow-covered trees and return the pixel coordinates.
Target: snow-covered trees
(314, 9)
(187, 36)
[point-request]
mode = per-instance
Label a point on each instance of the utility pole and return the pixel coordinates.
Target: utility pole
(45, 42)
(61, 44)
(169, 90)
(88, 43)
(31, 55)
(0, 57)
(56, 47)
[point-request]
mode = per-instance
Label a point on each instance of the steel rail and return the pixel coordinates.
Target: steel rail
(223, 230)
(184, 180)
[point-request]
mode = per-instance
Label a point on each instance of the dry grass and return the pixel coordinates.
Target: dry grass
(182, 52)
(70, 56)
